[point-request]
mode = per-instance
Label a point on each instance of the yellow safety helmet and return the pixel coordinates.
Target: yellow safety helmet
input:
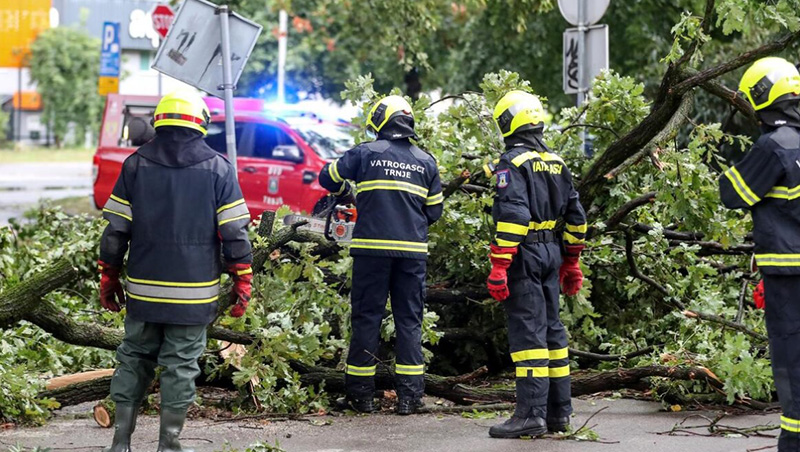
(389, 107)
(768, 80)
(182, 109)
(518, 111)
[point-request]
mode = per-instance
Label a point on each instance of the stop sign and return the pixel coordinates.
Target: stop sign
(162, 19)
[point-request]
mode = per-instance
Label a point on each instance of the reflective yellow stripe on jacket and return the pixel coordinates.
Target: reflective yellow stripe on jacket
(778, 260)
(786, 193)
(380, 184)
(119, 207)
(392, 245)
(741, 187)
(173, 292)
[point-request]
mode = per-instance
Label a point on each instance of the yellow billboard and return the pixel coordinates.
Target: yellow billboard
(20, 23)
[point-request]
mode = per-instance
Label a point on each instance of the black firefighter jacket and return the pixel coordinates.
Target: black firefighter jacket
(534, 190)
(175, 203)
(399, 196)
(767, 182)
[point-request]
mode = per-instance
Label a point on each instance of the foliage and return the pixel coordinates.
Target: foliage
(5, 128)
(28, 355)
(63, 63)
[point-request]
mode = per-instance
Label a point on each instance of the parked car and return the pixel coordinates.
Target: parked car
(278, 158)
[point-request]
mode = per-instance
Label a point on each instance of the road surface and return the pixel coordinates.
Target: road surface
(627, 426)
(23, 185)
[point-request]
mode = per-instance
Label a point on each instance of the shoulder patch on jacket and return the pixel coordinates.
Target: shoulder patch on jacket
(378, 146)
(503, 178)
(786, 137)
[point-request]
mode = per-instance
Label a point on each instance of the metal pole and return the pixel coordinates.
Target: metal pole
(160, 42)
(19, 109)
(227, 86)
(582, 61)
(283, 20)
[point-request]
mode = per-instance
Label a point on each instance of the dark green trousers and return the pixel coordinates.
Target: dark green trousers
(147, 345)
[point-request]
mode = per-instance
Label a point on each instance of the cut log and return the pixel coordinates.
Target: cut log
(104, 412)
(85, 391)
(71, 379)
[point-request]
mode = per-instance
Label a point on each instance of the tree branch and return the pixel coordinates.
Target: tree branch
(629, 207)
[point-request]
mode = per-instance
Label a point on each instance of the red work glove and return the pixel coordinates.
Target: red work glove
(758, 295)
(242, 276)
(497, 282)
(112, 296)
(570, 275)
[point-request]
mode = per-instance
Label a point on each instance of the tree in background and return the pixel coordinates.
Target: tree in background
(64, 65)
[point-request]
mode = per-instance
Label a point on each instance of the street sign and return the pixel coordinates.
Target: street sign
(192, 49)
(594, 10)
(109, 59)
(162, 19)
(596, 57)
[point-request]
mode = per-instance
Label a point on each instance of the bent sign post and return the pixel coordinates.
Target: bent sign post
(207, 47)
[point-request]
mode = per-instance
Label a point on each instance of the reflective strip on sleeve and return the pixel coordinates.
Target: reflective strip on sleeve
(120, 207)
(558, 372)
(361, 371)
(581, 228)
(536, 372)
(778, 260)
(245, 271)
(118, 214)
(789, 424)
(231, 212)
(413, 369)
(231, 205)
(786, 193)
(741, 187)
(525, 355)
(393, 185)
(502, 243)
(569, 238)
(334, 172)
(511, 228)
(560, 353)
(502, 256)
(538, 226)
(435, 199)
(392, 245)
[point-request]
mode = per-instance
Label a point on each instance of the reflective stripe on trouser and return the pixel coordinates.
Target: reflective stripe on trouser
(536, 336)
(146, 345)
(374, 278)
(783, 327)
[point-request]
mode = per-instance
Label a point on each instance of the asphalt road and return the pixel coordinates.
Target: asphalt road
(625, 426)
(23, 185)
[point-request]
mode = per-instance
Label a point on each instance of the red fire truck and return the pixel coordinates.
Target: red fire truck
(280, 152)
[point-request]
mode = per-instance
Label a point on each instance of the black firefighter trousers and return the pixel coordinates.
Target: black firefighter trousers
(374, 279)
(783, 328)
(536, 336)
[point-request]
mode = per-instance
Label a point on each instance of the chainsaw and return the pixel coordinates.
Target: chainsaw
(336, 224)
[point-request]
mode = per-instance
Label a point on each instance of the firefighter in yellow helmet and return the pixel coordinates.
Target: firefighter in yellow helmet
(399, 196)
(767, 183)
(530, 260)
(176, 207)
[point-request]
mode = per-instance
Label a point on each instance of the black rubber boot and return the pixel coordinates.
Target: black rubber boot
(518, 426)
(124, 425)
(171, 427)
(558, 424)
(408, 406)
(360, 405)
